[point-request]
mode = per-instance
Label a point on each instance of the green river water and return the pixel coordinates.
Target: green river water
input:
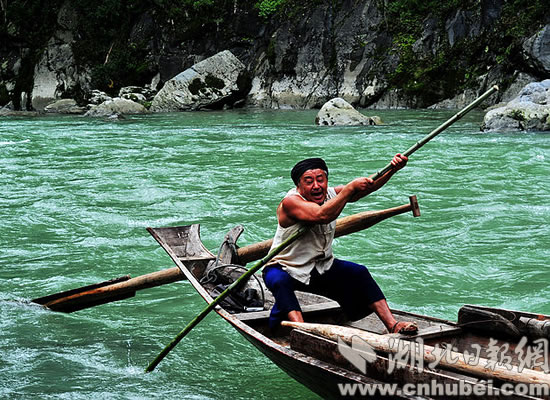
(77, 195)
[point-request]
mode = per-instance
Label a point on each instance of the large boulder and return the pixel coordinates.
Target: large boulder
(116, 106)
(339, 112)
(65, 106)
(529, 111)
(212, 83)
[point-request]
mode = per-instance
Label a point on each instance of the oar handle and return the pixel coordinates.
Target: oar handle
(292, 238)
(438, 130)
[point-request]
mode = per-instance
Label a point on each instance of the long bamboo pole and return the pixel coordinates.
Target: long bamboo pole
(247, 274)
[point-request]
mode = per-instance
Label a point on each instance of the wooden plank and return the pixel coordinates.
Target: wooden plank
(436, 332)
(309, 309)
(508, 313)
(183, 241)
(228, 250)
(72, 306)
(487, 322)
(176, 232)
(372, 323)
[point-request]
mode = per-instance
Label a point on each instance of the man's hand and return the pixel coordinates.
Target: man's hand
(399, 161)
(361, 185)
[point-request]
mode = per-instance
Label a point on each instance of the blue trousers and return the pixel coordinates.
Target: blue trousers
(349, 284)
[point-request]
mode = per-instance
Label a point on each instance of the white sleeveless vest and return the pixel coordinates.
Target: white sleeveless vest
(313, 250)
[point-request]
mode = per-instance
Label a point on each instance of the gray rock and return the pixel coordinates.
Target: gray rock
(116, 106)
(328, 54)
(392, 99)
(23, 101)
(529, 111)
(458, 102)
(339, 112)
(463, 24)
(8, 107)
(520, 81)
(12, 113)
(463, 99)
(209, 83)
(98, 97)
(65, 106)
(342, 49)
(155, 82)
(142, 94)
(536, 50)
(9, 111)
(137, 97)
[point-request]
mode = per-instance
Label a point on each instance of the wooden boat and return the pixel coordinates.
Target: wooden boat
(325, 364)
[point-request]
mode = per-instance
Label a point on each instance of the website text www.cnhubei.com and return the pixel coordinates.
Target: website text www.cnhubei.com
(460, 388)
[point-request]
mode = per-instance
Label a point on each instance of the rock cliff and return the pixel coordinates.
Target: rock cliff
(371, 53)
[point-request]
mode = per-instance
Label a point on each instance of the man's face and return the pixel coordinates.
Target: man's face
(313, 185)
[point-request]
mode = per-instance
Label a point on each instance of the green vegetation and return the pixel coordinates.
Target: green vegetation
(267, 8)
(518, 115)
(104, 28)
(420, 74)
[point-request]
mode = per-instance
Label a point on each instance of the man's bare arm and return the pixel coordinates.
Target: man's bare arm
(295, 209)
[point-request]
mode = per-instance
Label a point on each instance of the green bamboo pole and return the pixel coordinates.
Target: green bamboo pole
(301, 231)
(438, 130)
(292, 238)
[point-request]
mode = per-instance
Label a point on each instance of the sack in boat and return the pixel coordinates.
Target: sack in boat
(239, 301)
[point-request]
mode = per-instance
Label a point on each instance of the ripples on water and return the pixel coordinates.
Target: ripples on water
(78, 194)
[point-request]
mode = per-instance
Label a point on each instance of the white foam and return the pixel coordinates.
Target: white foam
(11, 142)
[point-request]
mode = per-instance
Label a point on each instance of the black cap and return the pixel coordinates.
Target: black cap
(307, 164)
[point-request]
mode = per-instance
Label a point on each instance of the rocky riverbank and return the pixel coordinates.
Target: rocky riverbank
(298, 57)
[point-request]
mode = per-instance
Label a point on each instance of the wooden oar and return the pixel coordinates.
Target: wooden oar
(452, 360)
(344, 226)
(125, 287)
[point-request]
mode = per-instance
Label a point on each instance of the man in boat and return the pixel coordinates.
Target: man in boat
(308, 264)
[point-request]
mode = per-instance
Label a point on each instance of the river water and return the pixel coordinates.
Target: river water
(77, 195)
